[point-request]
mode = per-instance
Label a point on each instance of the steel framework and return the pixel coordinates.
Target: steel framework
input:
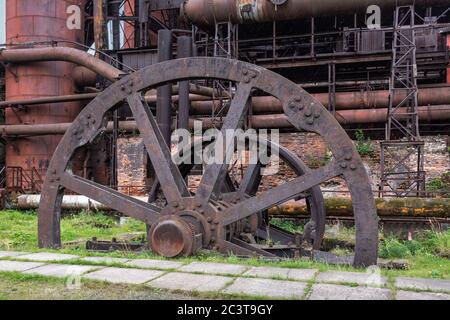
(403, 172)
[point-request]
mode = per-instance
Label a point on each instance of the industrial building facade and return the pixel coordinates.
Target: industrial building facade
(328, 49)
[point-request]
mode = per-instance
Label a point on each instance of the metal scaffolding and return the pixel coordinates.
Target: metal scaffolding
(402, 152)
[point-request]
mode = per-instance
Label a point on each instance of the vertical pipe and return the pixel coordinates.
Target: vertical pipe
(184, 47)
(99, 24)
(448, 50)
(164, 93)
(115, 13)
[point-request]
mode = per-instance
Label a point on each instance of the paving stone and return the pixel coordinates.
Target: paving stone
(154, 264)
(48, 256)
(368, 279)
(61, 270)
(423, 284)
(214, 268)
(339, 292)
(190, 282)
(18, 265)
(267, 288)
(105, 260)
(282, 273)
(411, 295)
(4, 254)
(123, 275)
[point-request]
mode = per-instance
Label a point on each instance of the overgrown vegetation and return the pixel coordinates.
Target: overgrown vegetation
(287, 225)
(364, 145)
(440, 184)
(427, 243)
(18, 231)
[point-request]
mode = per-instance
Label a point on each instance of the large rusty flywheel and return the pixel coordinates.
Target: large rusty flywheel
(219, 215)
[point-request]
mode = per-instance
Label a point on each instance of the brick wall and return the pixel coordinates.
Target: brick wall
(131, 166)
(309, 147)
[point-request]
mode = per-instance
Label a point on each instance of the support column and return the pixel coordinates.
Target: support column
(184, 105)
(164, 93)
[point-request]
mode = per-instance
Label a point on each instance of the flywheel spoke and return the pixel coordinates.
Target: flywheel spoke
(172, 182)
(281, 194)
(251, 179)
(215, 173)
(115, 200)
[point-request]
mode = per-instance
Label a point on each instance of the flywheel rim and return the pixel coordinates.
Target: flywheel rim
(302, 111)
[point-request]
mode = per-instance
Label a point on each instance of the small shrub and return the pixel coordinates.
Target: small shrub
(364, 145)
(426, 243)
(441, 183)
(393, 248)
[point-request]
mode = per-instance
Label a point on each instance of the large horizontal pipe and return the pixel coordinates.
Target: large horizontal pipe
(271, 121)
(46, 100)
(280, 121)
(76, 56)
(150, 98)
(341, 207)
(267, 104)
(54, 128)
(69, 202)
(344, 100)
(398, 207)
(208, 12)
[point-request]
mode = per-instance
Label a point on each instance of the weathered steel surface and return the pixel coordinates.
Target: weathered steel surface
(209, 218)
(28, 21)
(387, 207)
(208, 12)
(76, 56)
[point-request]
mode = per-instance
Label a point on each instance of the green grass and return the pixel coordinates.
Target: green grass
(18, 231)
(428, 243)
(440, 184)
(18, 228)
(364, 145)
(17, 286)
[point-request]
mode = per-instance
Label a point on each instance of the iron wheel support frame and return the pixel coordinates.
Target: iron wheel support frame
(301, 109)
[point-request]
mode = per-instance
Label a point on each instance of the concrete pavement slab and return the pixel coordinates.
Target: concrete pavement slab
(282, 273)
(190, 282)
(339, 292)
(367, 279)
(124, 275)
(61, 270)
(214, 268)
(267, 288)
(47, 256)
(154, 264)
(423, 284)
(18, 265)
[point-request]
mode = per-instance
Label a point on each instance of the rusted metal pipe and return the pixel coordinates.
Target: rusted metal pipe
(164, 93)
(344, 100)
(280, 121)
(184, 47)
(398, 207)
(76, 56)
(46, 100)
(202, 105)
(69, 202)
(208, 12)
(271, 121)
(341, 207)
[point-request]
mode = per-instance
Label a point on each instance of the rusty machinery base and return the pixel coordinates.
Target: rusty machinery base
(213, 217)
